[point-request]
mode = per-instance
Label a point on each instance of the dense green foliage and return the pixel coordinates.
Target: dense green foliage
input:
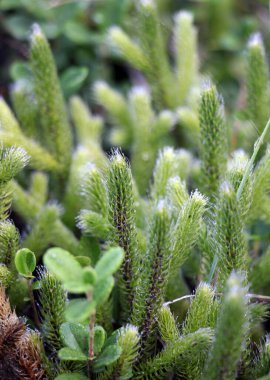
(151, 261)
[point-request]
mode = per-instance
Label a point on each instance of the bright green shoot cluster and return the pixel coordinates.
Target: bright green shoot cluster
(257, 83)
(144, 121)
(137, 127)
(231, 332)
(170, 86)
(147, 266)
(55, 132)
(12, 161)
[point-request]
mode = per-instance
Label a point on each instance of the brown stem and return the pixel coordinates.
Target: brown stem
(32, 300)
(91, 352)
(91, 337)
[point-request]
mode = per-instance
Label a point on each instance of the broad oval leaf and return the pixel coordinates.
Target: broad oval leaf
(78, 286)
(79, 310)
(18, 25)
(103, 289)
(99, 338)
(63, 265)
(72, 79)
(109, 355)
(20, 70)
(113, 339)
(67, 353)
(75, 336)
(84, 283)
(25, 262)
(79, 34)
(109, 262)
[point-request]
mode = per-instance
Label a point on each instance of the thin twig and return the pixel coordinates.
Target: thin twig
(256, 297)
(179, 299)
(33, 304)
(91, 352)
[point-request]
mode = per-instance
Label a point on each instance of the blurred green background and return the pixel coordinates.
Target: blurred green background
(77, 32)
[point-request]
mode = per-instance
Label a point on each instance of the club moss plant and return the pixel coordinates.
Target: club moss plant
(148, 264)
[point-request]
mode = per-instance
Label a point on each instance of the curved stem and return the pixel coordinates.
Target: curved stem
(32, 300)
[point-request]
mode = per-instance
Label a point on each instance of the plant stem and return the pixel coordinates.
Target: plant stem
(259, 142)
(32, 300)
(256, 297)
(257, 147)
(91, 352)
(91, 337)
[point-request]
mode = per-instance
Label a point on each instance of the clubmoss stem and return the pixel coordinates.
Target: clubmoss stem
(247, 172)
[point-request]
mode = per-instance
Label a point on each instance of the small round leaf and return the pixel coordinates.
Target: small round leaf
(83, 260)
(109, 355)
(67, 354)
(25, 262)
